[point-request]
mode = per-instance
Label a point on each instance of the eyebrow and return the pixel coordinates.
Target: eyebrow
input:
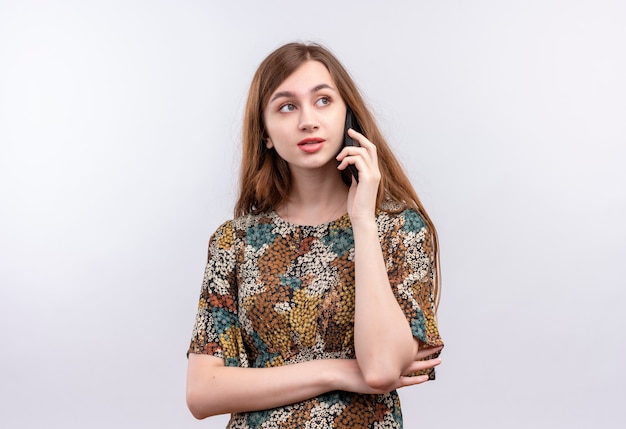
(290, 94)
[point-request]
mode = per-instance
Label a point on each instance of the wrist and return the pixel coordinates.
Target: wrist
(331, 373)
(365, 224)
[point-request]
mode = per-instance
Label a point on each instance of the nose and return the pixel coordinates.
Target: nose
(308, 120)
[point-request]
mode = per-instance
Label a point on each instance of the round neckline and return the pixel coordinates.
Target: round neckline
(274, 214)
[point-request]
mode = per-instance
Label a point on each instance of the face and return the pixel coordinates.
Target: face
(305, 119)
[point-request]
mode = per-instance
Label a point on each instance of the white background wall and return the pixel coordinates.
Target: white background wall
(119, 137)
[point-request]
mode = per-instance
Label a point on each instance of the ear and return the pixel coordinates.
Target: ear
(268, 143)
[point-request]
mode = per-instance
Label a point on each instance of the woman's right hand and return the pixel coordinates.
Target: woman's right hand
(214, 388)
(350, 378)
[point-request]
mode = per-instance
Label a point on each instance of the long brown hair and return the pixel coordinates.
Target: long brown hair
(265, 180)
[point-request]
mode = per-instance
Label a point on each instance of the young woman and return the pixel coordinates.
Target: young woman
(319, 298)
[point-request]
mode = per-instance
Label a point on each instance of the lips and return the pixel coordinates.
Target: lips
(311, 144)
(311, 140)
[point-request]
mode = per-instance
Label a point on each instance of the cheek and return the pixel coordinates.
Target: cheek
(274, 128)
(338, 128)
(274, 135)
(339, 123)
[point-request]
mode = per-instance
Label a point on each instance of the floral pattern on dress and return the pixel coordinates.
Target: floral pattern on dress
(275, 293)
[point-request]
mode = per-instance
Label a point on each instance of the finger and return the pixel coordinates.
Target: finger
(412, 381)
(351, 151)
(421, 365)
(360, 158)
(428, 351)
(358, 136)
(363, 141)
(350, 160)
(354, 133)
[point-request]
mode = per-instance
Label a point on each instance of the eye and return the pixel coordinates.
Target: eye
(287, 107)
(323, 101)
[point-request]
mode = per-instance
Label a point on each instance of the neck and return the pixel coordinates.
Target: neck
(314, 202)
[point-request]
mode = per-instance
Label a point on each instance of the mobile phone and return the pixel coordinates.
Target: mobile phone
(351, 122)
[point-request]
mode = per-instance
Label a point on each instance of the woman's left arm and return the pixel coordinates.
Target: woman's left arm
(383, 341)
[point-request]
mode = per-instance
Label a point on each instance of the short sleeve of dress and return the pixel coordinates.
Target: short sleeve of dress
(217, 330)
(408, 250)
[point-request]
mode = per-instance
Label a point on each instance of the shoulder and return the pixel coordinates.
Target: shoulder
(398, 217)
(236, 229)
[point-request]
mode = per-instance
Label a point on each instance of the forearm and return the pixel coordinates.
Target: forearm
(384, 344)
(213, 390)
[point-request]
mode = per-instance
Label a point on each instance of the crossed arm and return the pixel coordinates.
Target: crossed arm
(213, 388)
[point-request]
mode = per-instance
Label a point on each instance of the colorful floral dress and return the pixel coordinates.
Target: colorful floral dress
(275, 293)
